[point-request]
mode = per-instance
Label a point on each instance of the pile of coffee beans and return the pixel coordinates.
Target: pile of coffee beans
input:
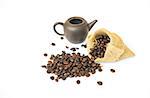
(100, 46)
(67, 65)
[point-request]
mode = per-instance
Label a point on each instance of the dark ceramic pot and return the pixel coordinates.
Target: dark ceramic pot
(75, 29)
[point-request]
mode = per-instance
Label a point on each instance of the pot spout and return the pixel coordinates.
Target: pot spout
(91, 24)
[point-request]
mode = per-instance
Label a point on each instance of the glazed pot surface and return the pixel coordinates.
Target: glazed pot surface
(75, 29)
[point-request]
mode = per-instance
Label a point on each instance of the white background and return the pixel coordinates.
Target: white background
(26, 33)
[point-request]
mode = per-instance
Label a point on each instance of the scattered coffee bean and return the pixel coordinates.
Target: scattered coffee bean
(43, 66)
(73, 49)
(45, 54)
(100, 69)
(53, 44)
(99, 83)
(62, 38)
(112, 70)
(84, 45)
(56, 80)
(67, 47)
(52, 77)
(78, 81)
(77, 48)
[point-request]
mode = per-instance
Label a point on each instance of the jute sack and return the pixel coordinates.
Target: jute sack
(115, 49)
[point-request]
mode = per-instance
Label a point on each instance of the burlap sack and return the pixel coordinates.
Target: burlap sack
(116, 49)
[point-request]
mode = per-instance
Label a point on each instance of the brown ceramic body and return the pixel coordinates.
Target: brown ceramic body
(75, 29)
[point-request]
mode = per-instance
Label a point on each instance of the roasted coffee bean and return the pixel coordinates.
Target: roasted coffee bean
(82, 73)
(43, 66)
(65, 62)
(48, 71)
(53, 44)
(112, 70)
(93, 71)
(62, 38)
(73, 49)
(71, 59)
(84, 59)
(45, 54)
(63, 52)
(67, 47)
(83, 45)
(93, 64)
(78, 54)
(78, 81)
(52, 57)
(100, 69)
(87, 75)
(52, 77)
(99, 82)
(49, 62)
(56, 80)
(63, 78)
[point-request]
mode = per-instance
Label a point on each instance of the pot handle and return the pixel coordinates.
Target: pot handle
(54, 27)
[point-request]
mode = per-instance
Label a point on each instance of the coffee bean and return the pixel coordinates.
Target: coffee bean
(53, 44)
(78, 81)
(78, 54)
(83, 45)
(61, 38)
(63, 52)
(63, 78)
(52, 77)
(84, 59)
(49, 62)
(52, 57)
(99, 83)
(56, 80)
(87, 75)
(73, 49)
(65, 62)
(100, 69)
(43, 66)
(67, 47)
(45, 54)
(93, 71)
(112, 70)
